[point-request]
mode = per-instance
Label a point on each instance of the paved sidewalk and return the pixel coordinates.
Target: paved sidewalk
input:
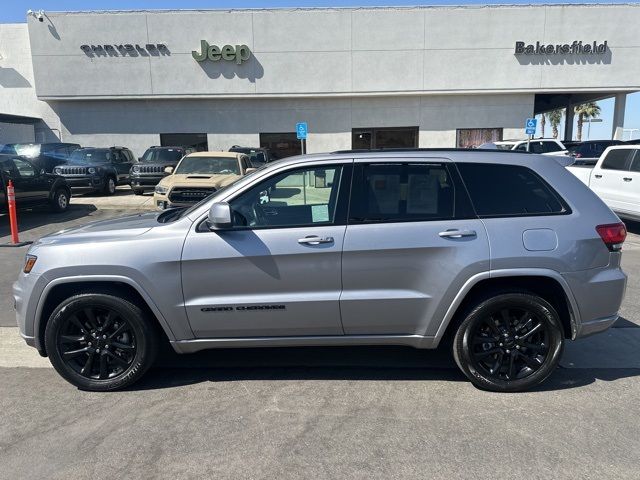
(124, 199)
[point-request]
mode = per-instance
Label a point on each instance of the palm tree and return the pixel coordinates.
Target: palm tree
(586, 111)
(543, 122)
(555, 117)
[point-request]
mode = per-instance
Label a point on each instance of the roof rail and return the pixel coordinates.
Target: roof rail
(407, 150)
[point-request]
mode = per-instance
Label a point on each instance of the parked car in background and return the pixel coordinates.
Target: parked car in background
(97, 169)
(43, 155)
(635, 141)
(257, 156)
(588, 152)
(150, 168)
(500, 260)
(197, 176)
(615, 179)
(543, 146)
(33, 186)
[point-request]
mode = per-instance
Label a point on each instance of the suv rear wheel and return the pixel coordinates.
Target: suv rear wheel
(509, 342)
(100, 342)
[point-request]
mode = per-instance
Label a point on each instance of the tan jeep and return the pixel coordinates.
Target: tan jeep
(197, 176)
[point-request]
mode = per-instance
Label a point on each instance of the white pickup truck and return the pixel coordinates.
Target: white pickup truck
(615, 179)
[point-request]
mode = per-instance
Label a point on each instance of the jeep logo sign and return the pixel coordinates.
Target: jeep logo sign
(239, 53)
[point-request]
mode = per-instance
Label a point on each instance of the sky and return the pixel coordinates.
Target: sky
(14, 11)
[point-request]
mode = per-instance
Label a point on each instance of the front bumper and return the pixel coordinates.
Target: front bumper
(145, 182)
(26, 294)
(85, 183)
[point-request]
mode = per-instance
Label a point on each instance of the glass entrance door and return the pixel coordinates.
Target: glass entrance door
(281, 145)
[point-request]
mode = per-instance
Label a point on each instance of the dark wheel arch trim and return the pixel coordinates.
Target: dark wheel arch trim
(466, 294)
(97, 284)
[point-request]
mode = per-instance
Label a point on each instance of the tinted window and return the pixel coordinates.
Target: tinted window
(160, 155)
(402, 192)
(504, 190)
(208, 166)
(550, 147)
(292, 199)
(616, 159)
(16, 168)
(635, 165)
(92, 155)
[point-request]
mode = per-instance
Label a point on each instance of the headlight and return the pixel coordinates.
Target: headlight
(57, 170)
(91, 170)
(135, 169)
(29, 262)
(161, 190)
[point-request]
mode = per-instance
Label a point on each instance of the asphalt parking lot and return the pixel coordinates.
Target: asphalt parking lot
(318, 412)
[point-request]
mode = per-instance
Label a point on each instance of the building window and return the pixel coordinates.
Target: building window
(281, 145)
(474, 137)
(197, 141)
(370, 138)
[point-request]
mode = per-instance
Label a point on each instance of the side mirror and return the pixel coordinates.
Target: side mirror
(168, 170)
(249, 170)
(220, 216)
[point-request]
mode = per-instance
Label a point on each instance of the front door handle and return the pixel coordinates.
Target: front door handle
(598, 176)
(455, 233)
(627, 179)
(315, 240)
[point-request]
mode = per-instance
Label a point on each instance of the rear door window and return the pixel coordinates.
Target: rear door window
(549, 147)
(509, 190)
(617, 159)
(635, 164)
(401, 192)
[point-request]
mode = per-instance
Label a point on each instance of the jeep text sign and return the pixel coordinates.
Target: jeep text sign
(239, 53)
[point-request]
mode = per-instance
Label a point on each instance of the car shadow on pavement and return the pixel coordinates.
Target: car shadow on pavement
(336, 363)
(632, 227)
(30, 219)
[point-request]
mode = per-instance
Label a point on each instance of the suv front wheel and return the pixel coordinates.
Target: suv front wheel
(100, 342)
(510, 342)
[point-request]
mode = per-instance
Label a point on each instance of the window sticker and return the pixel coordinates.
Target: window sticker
(319, 213)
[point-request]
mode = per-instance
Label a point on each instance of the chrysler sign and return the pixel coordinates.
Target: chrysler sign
(574, 48)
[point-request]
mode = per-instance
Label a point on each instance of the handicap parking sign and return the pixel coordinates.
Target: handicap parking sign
(301, 130)
(530, 126)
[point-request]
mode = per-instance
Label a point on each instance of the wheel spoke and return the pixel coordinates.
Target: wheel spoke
(535, 348)
(496, 366)
(480, 340)
(75, 353)
(91, 318)
(532, 331)
(492, 325)
(73, 319)
(486, 353)
(532, 363)
(119, 360)
(119, 330)
(109, 320)
(71, 338)
(86, 370)
(511, 365)
(522, 326)
(103, 367)
(122, 346)
(506, 319)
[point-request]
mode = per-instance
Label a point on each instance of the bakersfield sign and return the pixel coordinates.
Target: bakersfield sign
(229, 53)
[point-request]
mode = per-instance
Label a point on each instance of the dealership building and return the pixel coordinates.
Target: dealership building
(359, 77)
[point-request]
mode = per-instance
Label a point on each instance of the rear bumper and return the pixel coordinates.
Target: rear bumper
(595, 326)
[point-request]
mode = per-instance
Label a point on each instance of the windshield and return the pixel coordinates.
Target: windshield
(93, 155)
(208, 166)
(25, 149)
(162, 155)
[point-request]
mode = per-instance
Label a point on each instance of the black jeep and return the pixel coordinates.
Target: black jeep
(149, 170)
(43, 155)
(97, 169)
(32, 185)
(258, 156)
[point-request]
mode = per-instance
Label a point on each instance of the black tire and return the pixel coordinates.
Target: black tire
(116, 338)
(509, 352)
(110, 185)
(137, 191)
(60, 200)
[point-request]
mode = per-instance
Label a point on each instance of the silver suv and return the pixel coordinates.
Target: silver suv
(503, 255)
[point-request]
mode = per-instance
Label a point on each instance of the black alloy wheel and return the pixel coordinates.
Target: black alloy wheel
(60, 201)
(510, 342)
(100, 342)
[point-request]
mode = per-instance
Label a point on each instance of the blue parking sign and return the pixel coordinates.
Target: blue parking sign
(301, 130)
(530, 126)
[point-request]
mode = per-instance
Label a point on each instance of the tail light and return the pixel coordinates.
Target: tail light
(613, 235)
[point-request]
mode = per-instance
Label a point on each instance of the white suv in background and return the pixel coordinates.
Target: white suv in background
(544, 146)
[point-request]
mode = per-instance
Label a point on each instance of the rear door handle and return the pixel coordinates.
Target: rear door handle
(627, 179)
(598, 176)
(454, 233)
(315, 240)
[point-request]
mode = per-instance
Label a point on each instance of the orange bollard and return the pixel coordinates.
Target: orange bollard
(13, 218)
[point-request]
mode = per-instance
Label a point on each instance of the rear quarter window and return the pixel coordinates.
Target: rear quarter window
(509, 190)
